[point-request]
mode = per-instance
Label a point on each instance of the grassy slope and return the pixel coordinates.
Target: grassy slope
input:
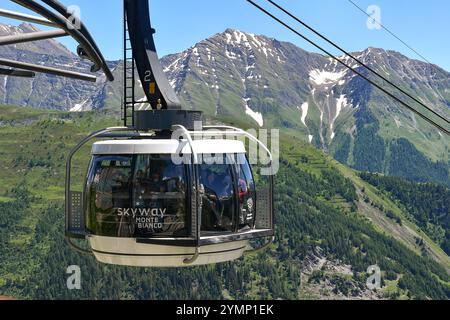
(407, 233)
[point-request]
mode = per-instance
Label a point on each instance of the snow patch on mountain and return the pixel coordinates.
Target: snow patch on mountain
(173, 66)
(230, 55)
(257, 116)
(321, 77)
(340, 105)
(305, 109)
(240, 37)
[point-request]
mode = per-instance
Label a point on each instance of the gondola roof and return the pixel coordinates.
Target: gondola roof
(167, 146)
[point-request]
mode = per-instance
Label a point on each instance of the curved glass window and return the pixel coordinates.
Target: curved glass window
(247, 193)
(137, 196)
(217, 192)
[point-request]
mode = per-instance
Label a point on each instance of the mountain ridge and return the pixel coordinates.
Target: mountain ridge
(271, 83)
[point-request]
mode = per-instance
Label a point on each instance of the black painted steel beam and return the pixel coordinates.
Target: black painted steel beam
(32, 36)
(62, 10)
(63, 23)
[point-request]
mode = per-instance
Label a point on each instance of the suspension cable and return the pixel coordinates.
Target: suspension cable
(390, 32)
(447, 132)
(359, 61)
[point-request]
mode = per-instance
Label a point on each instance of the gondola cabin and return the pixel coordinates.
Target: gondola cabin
(153, 202)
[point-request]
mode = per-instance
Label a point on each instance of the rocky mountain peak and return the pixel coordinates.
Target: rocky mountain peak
(7, 29)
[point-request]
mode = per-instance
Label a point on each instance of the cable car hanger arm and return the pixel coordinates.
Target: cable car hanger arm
(157, 88)
(61, 9)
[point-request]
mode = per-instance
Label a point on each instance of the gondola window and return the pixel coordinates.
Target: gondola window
(137, 196)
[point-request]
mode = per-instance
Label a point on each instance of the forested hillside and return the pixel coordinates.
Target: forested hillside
(331, 226)
(427, 203)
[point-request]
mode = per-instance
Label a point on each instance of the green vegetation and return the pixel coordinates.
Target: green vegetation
(318, 205)
(343, 150)
(427, 203)
(369, 150)
(407, 162)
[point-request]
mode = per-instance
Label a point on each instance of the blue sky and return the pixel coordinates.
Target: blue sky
(180, 23)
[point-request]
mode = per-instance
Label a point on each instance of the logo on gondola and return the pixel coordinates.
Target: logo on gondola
(144, 218)
(141, 212)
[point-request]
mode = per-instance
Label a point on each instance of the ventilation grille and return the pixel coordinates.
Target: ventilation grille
(264, 209)
(75, 219)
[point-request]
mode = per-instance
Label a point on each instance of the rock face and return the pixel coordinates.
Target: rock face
(266, 82)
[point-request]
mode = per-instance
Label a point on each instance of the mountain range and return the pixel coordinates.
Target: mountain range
(332, 222)
(266, 82)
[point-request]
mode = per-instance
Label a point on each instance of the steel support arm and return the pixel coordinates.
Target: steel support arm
(62, 10)
(26, 17)
(63, 23)
(156, 86)
(32, 36)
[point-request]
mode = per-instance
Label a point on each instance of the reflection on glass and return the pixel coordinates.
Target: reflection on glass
(247, 193)
(144, 196)
(217, 190)
(137, 196)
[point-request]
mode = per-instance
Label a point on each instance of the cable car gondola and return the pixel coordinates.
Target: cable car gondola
(156, 201)
(159, 191)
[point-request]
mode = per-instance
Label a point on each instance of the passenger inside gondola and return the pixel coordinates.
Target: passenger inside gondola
(217, 198)
(160, 184)
(247, 193)
(156, 184)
